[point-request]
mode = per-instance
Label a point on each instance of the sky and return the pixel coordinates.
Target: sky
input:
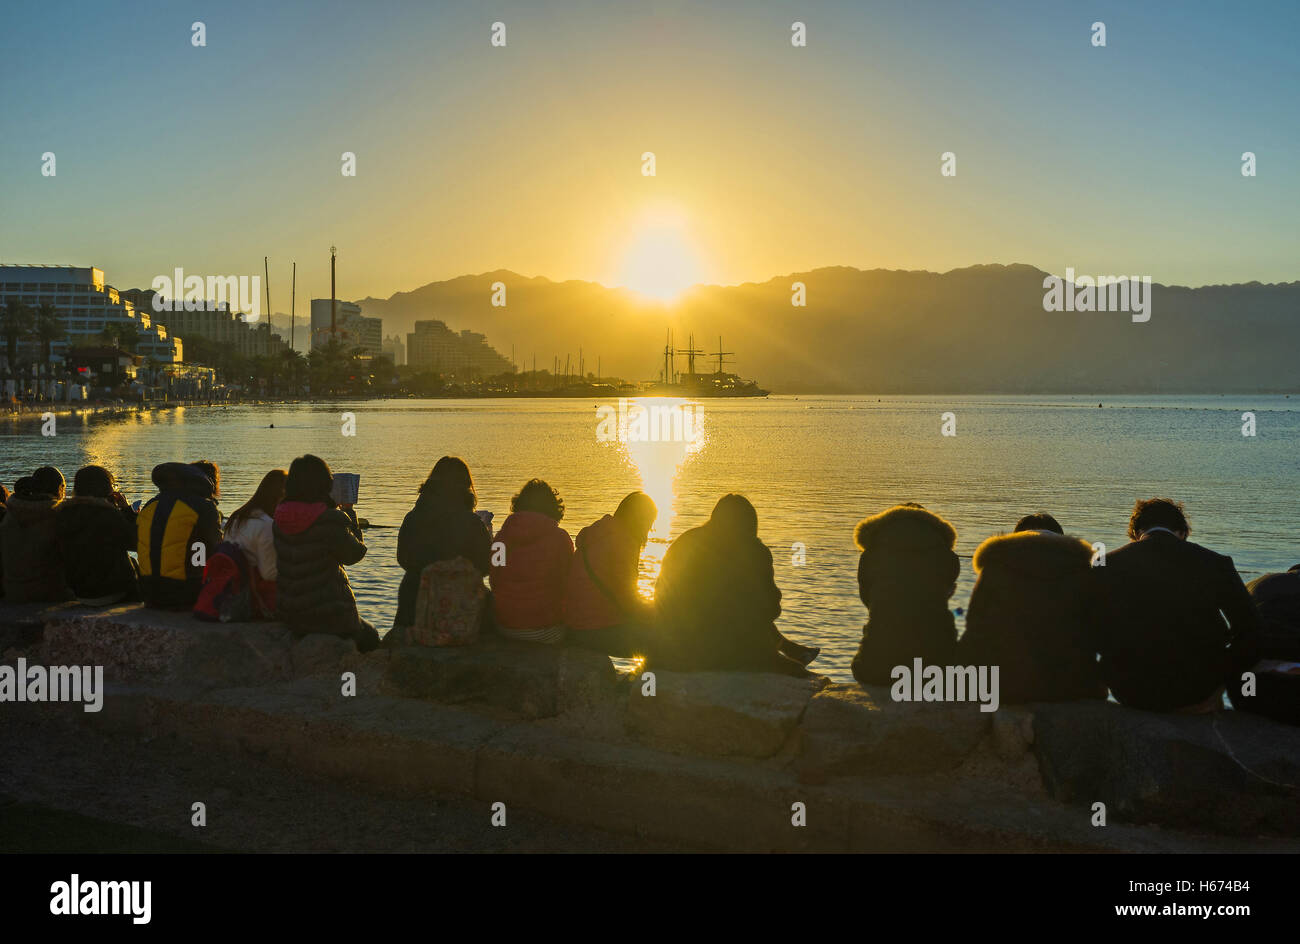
(769, 158)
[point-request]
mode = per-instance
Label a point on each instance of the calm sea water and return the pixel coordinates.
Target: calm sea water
(812, 466)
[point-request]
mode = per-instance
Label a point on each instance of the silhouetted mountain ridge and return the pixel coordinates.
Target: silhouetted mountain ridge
(976, 329)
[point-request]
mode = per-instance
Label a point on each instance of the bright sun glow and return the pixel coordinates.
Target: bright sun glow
(661, 261)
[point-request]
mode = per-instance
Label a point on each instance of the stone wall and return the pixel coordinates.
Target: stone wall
(718, 760)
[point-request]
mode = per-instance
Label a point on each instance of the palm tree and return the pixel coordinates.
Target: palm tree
(16, 322)
(292, 362)
(121, 335)
(49, 328)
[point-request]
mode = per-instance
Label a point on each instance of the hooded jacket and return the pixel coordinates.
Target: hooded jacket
(528, 591)
(717, 603)
(313, 543)
(437, 529)
(182, 514)
(33, 569)
(906, 574)
(1163, 638)
(1277, 600)
(614, 555)
(95, 538)
(1031, 614)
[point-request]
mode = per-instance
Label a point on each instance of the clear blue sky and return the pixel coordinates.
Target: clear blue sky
(1122, 160)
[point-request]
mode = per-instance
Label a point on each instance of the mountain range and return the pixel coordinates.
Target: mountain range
(980, 329)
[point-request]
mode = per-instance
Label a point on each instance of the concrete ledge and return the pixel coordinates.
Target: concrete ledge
(857, 730)
(136, 646)
(533, 681)
(716, 758)
(1230, 772)
(719, 714)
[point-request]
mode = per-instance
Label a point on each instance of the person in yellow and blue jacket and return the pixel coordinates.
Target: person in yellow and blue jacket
(169, 530)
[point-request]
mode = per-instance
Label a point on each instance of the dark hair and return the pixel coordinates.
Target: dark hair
(269, 494)
(48, 480)
(310, 480)
(1040, 521)
(213, 472)
(537, 495)
(450, 479)
(734, 514)
(23, 486)
(638, 509)
(93, 481)
(1157, 513)
(4, 494)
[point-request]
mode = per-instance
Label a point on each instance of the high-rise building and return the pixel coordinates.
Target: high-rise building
(395, 349)
(215, 322)
(351, 328)
(435, 347)
(87, 306)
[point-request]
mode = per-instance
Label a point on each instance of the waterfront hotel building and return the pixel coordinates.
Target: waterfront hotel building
(86, 306)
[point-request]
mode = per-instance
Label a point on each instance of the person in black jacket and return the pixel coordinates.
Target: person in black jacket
(1163, 639)
(33, 567)
(1031, 614)
(441, 527)
(4, 498)
(314, 540)
(96, 530)
(1277, 694)
(906, 574)
(716, 600)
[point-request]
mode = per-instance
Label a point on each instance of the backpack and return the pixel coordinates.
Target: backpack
(227, 595)
(449, 605)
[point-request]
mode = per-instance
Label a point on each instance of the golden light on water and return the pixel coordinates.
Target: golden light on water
(677, 432)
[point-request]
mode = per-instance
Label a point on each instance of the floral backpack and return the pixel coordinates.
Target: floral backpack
(449, 605)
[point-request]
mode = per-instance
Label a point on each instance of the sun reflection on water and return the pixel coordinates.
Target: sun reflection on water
(659, 435)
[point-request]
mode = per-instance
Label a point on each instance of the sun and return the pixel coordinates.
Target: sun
(661, 260)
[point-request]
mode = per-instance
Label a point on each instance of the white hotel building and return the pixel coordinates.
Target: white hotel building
(86, 305)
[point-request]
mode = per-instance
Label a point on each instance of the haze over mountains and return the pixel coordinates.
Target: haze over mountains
(980, 329)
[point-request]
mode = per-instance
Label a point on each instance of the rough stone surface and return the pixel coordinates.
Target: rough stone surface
(1228, 772)
(135, 646)
(22, 624)
(1013, 732)
(745, 714)
(852, 729)
(632, 788)
(531, 680)
(320, 654)
(531, 727)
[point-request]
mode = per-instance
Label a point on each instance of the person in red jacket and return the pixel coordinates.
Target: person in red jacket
(528, 587)
(602, 608)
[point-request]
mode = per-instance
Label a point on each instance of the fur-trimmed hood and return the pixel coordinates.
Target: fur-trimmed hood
(912, 528)
(1037, 553)
(28, 509)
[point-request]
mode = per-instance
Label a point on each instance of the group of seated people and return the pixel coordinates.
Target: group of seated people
(1160, 623)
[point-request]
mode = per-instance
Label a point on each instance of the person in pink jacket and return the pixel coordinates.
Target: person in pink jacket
(528, 588)
(602, 608)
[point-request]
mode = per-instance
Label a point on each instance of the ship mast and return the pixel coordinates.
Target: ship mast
(721, 354)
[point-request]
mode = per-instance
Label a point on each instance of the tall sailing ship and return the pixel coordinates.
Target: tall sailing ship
(690, 383)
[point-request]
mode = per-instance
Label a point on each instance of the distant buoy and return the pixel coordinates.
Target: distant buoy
(272, 426)
(1099, 406)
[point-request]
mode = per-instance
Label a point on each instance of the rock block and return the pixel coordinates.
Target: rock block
(138, 646)
(1228, 772)
(745, 714)
(854, 729)
(532, 680)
